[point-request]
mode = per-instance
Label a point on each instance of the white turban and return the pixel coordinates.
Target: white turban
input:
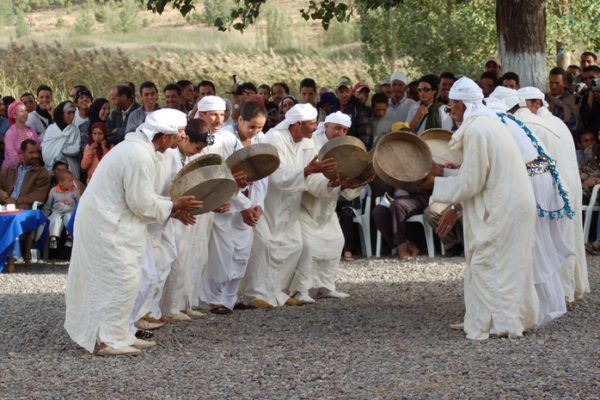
(340, 118)
(399, 76)
(502, 97)
(211, 103)
(300, 112)
(531, 93)
(166, 120)
(467, 91)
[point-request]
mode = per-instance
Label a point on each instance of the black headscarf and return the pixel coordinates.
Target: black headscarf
(95, 111)
(59, 113)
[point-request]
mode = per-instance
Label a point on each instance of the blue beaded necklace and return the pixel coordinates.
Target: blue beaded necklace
(566, 210)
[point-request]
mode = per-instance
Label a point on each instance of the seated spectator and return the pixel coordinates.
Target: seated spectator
(447, 79)
(359, 114)
(450, 240)
(286, 103)
(16, 134)
(586, 139)
(41, 118)
(381, 124)
(149, 95)
(99, 112)
(62, 139)
(428, 113)
(511, 80)
(61, 203)
(391, 214)
(590, 104)
(58, 168)
(96, 148)
(29, 100)
(123, 99)
(487, 83)
(24, 184)
(561, 101)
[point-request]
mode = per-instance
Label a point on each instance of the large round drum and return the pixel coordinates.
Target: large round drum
(401, 158)
(437, 140)
(350, 154)
(207, 179)
(257, 161)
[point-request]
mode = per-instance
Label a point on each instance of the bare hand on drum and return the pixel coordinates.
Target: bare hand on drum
(437, 169)
(316, 166)
(185, 217)
(186, 203)
(350, 185)
(250, 217)
(240, 178)
(223, 208)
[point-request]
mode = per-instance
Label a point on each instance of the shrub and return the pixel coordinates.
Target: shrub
(22, 26)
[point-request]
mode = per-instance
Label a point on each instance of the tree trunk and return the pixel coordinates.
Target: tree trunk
(521, 30)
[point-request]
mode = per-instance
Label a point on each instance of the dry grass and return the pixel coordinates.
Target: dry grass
(25, 66)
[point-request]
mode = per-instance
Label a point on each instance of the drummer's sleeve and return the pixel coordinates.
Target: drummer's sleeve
(471, 177)
(140, 196)
(259, 192)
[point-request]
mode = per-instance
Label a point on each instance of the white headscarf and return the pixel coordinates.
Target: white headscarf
(399, 76)
(211, 103)
(467, 91)
(531, 93)
(502, 99)
(340, 118)
(165, 120)
(300, 112)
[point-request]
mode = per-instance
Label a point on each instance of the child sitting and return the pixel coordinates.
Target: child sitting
(96, 148)
(61, 202)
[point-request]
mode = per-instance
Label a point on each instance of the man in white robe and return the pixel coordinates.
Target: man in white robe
(554, 208)
(499, 212)
(321, 232)
(558, 141)
(232, 234)
(278, 236)
(110, 237)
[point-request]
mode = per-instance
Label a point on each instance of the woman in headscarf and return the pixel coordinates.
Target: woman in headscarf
(62, 139)
(16, 134)
(99, 111)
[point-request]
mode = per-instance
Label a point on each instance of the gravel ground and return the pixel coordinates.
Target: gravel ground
(389, 340)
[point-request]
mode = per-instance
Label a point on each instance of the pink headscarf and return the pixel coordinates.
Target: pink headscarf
(12, 110)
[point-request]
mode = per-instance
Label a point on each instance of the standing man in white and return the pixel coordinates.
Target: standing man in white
(278, 237)
(110, 237)
(499, 218)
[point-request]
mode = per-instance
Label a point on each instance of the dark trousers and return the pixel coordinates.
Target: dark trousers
(392, 221)
(346, 216)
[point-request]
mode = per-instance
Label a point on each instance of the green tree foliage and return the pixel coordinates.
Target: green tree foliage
(435, 36)
(84, 21)
(7, 13)
(214, 9)
(574, 24)
(22, 26)
(122, 18)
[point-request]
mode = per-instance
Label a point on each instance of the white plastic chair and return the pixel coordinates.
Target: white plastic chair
(420, 218)
(362, 217)
(588, 211)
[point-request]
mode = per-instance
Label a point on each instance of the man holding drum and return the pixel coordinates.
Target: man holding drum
(278, 235)
(110, 236)
(499, 217)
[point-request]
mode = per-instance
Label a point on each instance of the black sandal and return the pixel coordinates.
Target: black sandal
(221, 310)
(144, 335)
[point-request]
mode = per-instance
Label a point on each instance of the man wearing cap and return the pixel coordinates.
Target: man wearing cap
(553, 204)
(110, 240)
(321, 232)
(278, 240)
(399, 104)
(359, 113)
(558, 142)
(361, 92)
(499, 218)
